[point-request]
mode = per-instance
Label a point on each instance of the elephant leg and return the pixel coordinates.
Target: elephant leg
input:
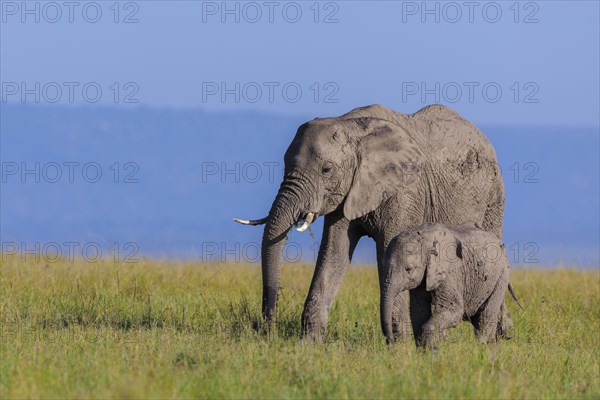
(490, 313)
(437, 326)
(401, 321)
(492, 222)
(420, 310)
(505, 324)
(401, 317)
(337, 245)
(447, 313)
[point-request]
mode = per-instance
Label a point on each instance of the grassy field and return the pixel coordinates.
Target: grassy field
(151, 329)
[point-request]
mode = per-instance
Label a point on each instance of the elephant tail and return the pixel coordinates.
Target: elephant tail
(512, 293)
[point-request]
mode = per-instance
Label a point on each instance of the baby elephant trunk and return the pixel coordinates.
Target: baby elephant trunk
(388, 294)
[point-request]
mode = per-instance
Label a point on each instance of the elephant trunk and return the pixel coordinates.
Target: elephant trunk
(285, 212)
(389, 292)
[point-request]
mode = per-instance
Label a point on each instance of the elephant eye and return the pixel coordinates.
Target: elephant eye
(327, 167)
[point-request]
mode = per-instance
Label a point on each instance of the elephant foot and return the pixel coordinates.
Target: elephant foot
(263, 327)
(314, 333)
(484, 340)
(402, 331)
(503, 332)
(432, 335)
(505, 324)
(427, 343)
(314, 325)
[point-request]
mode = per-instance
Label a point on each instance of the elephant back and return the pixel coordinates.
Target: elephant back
(445, 131)
(435, 128)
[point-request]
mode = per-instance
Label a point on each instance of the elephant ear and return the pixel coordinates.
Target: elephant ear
(444, 252)
(436, 267)
(388, 159)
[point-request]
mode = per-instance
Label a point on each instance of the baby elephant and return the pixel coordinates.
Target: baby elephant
(464, 271)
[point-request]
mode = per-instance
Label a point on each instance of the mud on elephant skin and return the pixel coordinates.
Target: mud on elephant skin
(465, 273)
(376, 172)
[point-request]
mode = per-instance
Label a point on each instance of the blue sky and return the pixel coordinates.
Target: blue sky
(546, 64)
(173, 85)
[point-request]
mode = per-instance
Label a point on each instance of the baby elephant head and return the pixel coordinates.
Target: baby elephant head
(411, 258)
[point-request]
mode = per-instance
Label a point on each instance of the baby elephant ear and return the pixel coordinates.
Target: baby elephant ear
(388, 160)
(436, 267)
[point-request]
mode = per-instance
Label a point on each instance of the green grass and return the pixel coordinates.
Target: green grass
(163, 330)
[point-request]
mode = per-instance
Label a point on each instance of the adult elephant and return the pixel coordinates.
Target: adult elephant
(376, 172)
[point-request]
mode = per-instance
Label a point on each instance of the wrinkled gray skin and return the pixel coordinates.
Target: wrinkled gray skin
(464, 271)
(375, 172)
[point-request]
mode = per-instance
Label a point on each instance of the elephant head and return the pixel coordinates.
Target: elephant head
(353, 164)
(410, 258)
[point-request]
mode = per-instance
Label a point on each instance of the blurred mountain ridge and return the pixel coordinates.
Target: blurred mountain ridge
(171, 179)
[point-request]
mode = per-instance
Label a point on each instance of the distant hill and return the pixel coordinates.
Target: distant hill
(182, 174)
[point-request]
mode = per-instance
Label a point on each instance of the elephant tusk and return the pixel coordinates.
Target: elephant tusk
(304, 227)
(310, 217)
(261, 221)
